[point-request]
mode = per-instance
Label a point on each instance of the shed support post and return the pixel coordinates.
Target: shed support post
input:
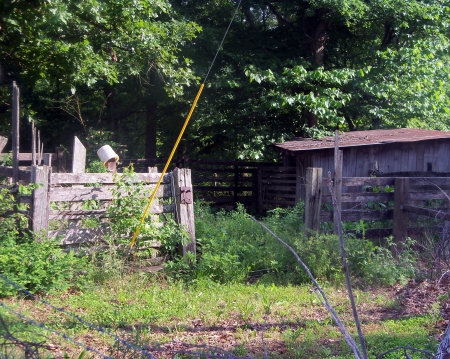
(40, 204)
(184, 208)
(401, 196)
(313, 200)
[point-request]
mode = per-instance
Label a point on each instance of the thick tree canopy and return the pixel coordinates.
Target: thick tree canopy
(117, 70)
(72, 58)
(294, 68)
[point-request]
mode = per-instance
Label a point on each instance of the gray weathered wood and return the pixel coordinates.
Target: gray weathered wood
(104, 178)
(313, 200)
(3, 142)
(443, 215)
(184, 212)
(357, 215)
(401, 197)
(33, 144)
(70, 194)
(48, 159)
(61, 159)
(15, 132)
(337, 186)
(102, 213)
(40, 204)
(79, 156)
(362, 197)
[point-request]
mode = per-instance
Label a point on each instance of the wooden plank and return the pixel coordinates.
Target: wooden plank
(417, 196)
(280, 202)
(405, 151)
(313, 200)
(105, 178)
(3, 142)
(357, 215)
(421, 181)
(366, 181)
(79, 156)
(102, 213)
(442, 215)
(362, 197)
(23, 156)
(75, 194)
(184, 212)
(61, 160)
(222, 188)
(272, 181)
(15, 132)
(420, 150)
(40, 205)
(401, 197)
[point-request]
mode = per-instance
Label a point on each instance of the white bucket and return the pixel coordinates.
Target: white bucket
(107, 154)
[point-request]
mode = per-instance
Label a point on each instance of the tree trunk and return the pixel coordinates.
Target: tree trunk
(319, 35)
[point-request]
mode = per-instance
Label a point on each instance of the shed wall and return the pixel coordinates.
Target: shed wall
(431, 155)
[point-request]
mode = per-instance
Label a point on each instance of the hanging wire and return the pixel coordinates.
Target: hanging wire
(169, 160)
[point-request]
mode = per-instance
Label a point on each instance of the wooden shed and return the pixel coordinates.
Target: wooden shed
(373, 151)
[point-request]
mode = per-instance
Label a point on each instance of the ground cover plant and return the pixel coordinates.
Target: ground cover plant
(244, 287)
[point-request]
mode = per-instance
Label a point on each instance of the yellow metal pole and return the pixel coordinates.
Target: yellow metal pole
(136, 233)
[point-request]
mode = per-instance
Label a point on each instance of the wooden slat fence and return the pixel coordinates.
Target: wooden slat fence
(259, 185)
(402, 200)
(60, 203)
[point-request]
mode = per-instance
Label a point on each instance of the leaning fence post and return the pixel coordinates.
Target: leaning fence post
(40, 205)
(15, 132)
(184, 207)
(401, 196)
(313, 200)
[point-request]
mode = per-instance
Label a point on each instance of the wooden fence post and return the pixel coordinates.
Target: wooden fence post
(337, 187)
(313, 200)
(40, 204)
(184, 207)
(3, 142)
(15, 132)
(61, 160)
(79, 156)
(401, 196)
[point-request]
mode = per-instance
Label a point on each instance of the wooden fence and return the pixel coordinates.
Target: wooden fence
(402, 200)
(59, 197)
(258, 185)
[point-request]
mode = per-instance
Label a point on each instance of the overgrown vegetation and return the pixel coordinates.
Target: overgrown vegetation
(235, 249)
(36, 263)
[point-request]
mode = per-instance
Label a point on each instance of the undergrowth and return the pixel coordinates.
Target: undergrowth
(233, 248)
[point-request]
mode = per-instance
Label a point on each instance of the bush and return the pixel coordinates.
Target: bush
(31, 263)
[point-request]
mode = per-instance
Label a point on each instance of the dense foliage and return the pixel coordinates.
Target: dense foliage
(233, 248)
(126, 72)
(37, 264)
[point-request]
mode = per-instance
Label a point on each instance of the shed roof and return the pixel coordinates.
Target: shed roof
(362, 138)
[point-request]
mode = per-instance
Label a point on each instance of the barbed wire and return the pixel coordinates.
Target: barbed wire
(42, 326)
(81, 320)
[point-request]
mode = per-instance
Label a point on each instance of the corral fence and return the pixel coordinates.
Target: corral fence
(57, 205)
(400, 203)
(257, 185)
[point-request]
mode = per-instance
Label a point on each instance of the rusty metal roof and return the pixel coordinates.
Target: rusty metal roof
(363, 138)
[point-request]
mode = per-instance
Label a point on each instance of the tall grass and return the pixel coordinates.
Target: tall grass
(235, 249)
